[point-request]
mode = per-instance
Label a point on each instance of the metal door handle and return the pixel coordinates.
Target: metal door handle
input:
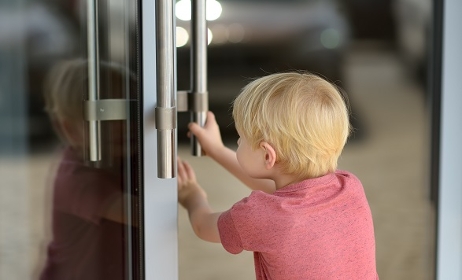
(94, 126)
(194, 101)
(197, 98)
(97, 110)
(198, 68)
(165, 112)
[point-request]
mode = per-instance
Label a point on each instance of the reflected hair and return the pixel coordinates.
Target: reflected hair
(66, 88)
(304, 117)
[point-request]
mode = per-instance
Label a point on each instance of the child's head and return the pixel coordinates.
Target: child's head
(67, 88)
(64, 93)
(301, 115)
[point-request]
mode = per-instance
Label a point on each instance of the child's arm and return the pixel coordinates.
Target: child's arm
(212, 144)
(115, 209)
(194, 199)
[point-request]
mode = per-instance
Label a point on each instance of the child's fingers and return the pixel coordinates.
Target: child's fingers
(181, 171)
(189, 171)
(210, 118)
(195, 129)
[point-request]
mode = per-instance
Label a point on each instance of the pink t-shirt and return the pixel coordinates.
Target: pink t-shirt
(316, 229)
(84, 245)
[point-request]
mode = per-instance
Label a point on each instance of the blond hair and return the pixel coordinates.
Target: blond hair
(66, 88)
(301, 115)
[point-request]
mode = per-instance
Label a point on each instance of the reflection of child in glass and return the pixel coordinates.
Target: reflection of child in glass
(88, 203)
(305, 219)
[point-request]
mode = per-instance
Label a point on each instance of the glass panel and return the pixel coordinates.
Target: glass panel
(62, 215)
(376, 51)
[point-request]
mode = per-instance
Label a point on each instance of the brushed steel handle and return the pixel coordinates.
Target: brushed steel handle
(94, 126)
(198, 68)
(166, 90)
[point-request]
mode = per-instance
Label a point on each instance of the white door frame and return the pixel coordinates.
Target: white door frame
(160, 195)
(449, 227)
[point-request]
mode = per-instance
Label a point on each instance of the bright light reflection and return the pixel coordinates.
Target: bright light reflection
(183, 10)
(209, 36)
(213, 10)
(182, 36)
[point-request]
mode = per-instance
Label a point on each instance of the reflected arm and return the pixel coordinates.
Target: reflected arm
(115, 210)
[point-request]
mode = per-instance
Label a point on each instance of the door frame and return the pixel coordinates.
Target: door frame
(160, 195)
(447, 137)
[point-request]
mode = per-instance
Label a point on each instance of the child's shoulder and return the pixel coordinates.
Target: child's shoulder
(346, 174)
(252, 202)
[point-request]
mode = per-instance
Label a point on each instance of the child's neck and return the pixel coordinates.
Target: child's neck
(283, 180)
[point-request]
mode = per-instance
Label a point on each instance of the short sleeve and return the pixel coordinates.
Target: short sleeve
(84, 192)
(229, 236)
(243, 226)
(93, 197)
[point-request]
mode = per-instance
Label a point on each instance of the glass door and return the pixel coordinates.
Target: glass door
(81, 197)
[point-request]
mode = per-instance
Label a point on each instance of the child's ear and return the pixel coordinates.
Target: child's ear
(73, 133)
(270, 155)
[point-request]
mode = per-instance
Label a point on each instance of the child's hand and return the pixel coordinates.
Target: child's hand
(208, 136)
(192, 197)
(189, 190)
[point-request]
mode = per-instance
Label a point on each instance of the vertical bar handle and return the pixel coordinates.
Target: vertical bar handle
(94, 126)
(166, 90)
(198, 68)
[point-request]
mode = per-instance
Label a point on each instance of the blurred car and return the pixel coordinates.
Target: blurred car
(251, 38)
(272, 35)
